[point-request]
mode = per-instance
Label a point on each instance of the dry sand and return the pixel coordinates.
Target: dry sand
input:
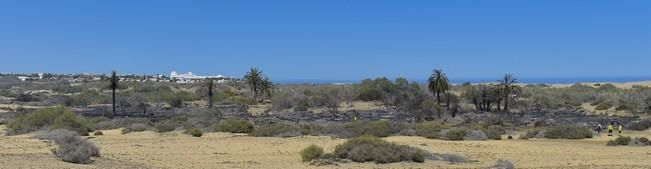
(225, 150)
(627, 85)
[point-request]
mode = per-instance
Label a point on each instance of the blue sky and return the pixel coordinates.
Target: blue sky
(330, 40)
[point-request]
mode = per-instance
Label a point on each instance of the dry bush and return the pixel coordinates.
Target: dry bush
(277, 130)
(639, 125)
(380, 128)
(503, 164)
(475, 135)
(120, 123)
(71, 148)
(166, 126)
(369, 148)
(451, 158)
(429, 129)
(135, 127)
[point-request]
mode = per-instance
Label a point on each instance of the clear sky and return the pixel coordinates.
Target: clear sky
(330, 39)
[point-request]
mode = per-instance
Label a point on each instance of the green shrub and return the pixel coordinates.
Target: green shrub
(603, 106)
(234, 126)
(494, 132)
(455, 134)
(70, 121)
(567, 132)
(429, 129)
(311, 152)
(623, 107)
(277, 130)
(55, 117)
(380, 128)
(98, 133)
(195, 132)
(369, 148)
(313, 129)
(377, 128)
(622, 140)
(644, 140)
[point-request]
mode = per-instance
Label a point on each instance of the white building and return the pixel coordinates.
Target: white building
(191, 78)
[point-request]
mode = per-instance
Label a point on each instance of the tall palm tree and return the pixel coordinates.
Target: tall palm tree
(509, 89)
(114, 85)
(210, 93)
(438, 83)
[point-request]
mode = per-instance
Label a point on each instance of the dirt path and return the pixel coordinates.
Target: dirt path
(224, 150)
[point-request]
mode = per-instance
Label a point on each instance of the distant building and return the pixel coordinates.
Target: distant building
(191, 78)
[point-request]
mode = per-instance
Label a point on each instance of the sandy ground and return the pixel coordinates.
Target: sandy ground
(627, 85)
(225, 150)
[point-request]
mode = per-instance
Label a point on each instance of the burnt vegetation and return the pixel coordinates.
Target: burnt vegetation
(365, 111)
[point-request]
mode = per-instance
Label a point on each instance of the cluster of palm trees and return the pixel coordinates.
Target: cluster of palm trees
(259, 84)
(482, 96)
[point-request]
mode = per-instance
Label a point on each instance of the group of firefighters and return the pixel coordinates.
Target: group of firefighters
(611, 127)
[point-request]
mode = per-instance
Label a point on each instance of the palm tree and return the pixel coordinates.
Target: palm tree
(253, 79)
(509, 89)
(210, 93)
(114, 85)
(266, 86)
(438, 83)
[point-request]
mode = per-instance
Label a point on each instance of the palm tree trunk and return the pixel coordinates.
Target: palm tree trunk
(506, 103)
(447, 100)
(209, 101)
(113, 115)
(438, 97)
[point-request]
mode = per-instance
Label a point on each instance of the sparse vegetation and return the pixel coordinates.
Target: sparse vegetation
(277, 130)
(430, 129)
(234, 126)
(625, 140)
(567, 132)
(135, 127)
(311, 152)
(166, 126)
(503, 164)
(53, 118)
(195, 132)
(369, 148)
(622, 140)
(70, 147)
(639, 125)
(454, 134)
